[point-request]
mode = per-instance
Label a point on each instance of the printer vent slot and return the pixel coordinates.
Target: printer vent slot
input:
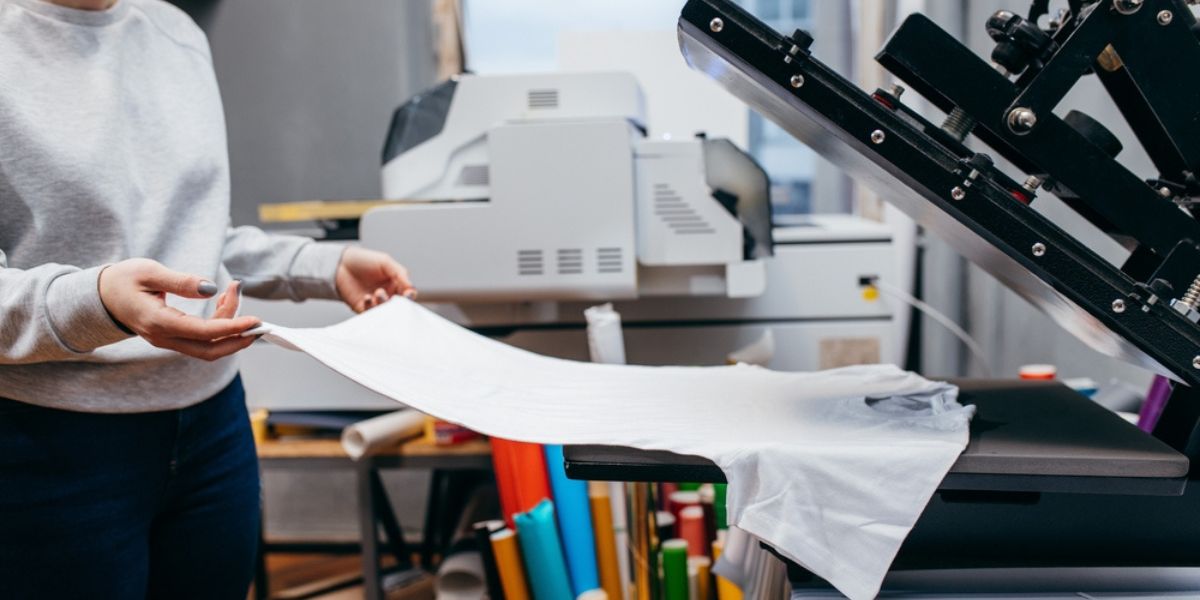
(543, 98)
(677, 213)
(530, 262)
(609, 260)
(570, 261)
(473, 175)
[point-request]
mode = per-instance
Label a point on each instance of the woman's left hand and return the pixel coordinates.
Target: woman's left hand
(368, 278)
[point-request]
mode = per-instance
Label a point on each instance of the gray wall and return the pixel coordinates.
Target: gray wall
(309, 89)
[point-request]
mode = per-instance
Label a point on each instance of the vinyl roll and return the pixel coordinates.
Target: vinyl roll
(370, 435)
(521, 476)
(606, 542)
(573, 509)
(667, 525)
(675, 569)
(643, 541)
(700, 577)
(708, 502)
(691, 530)
(680, 499)
(720, 510)
(619, 499)
(543, 554)
(483, 539)
(726, 590)
(509, 565)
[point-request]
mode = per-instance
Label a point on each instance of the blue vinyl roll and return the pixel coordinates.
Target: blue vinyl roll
(544, 564)
(574, 523)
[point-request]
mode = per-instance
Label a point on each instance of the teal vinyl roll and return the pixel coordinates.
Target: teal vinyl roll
(574, 523)
(537, 534)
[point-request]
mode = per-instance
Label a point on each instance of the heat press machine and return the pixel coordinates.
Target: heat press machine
(1066, 494)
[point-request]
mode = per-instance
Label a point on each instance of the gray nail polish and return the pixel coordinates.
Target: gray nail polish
(207, 288)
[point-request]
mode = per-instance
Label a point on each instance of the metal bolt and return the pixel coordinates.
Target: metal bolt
(1164, 191)
(1039, 249)
(1165, 17)
(1021, 120)
(797, 80)
(1118, 306)
(958, 124)
(1127, 7)
(716, 25)
(896, 90)
(1032, 183)
(1196, 362)
(878, 136)
(958, 193)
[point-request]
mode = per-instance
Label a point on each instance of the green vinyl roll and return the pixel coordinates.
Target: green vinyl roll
(720, 491)
(675, 569)
(537, 533)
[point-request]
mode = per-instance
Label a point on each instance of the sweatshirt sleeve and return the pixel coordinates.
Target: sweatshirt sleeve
(52, 312)
(273, 266)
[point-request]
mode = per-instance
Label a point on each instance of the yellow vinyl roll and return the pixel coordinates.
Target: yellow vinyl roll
(726, 590)
(508, 563)
(606, 543)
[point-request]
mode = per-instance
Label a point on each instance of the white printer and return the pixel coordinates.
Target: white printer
(531, 187)
(518, 201)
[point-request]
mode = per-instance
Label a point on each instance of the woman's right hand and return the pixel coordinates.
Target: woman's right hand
(134, 292)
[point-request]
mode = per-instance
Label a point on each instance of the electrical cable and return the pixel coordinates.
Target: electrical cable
(975, 348)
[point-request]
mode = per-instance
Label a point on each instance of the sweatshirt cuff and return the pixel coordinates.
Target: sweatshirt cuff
(77, 315)
(313, 271)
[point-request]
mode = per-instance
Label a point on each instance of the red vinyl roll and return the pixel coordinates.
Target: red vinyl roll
(691, 528)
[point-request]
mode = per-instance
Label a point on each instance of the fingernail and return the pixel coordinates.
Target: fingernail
(240, 283)
(410, 294)
(207, 288)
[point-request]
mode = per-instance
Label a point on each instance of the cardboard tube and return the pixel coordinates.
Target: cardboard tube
(508, 563)
(369, 436)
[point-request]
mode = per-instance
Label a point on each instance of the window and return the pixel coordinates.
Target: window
(520, 36)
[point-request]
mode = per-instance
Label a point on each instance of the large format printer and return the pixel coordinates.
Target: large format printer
(1053, 494)
(518, 201)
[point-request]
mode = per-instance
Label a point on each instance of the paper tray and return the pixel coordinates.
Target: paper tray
(1027, 436)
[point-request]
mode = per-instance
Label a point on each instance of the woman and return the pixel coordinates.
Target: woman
(127, 468)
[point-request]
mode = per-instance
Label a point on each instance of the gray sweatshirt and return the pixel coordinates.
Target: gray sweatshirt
(112, 146)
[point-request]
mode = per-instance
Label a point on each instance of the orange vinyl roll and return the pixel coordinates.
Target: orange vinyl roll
(509, 565)
(533, 482)
(520, 476)
(506, 483)
(606, 543)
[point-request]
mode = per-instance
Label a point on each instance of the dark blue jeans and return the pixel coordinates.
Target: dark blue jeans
(151, 505)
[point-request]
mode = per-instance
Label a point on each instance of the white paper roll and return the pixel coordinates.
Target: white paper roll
(461, 577)
(606, 341)
(365, 437)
